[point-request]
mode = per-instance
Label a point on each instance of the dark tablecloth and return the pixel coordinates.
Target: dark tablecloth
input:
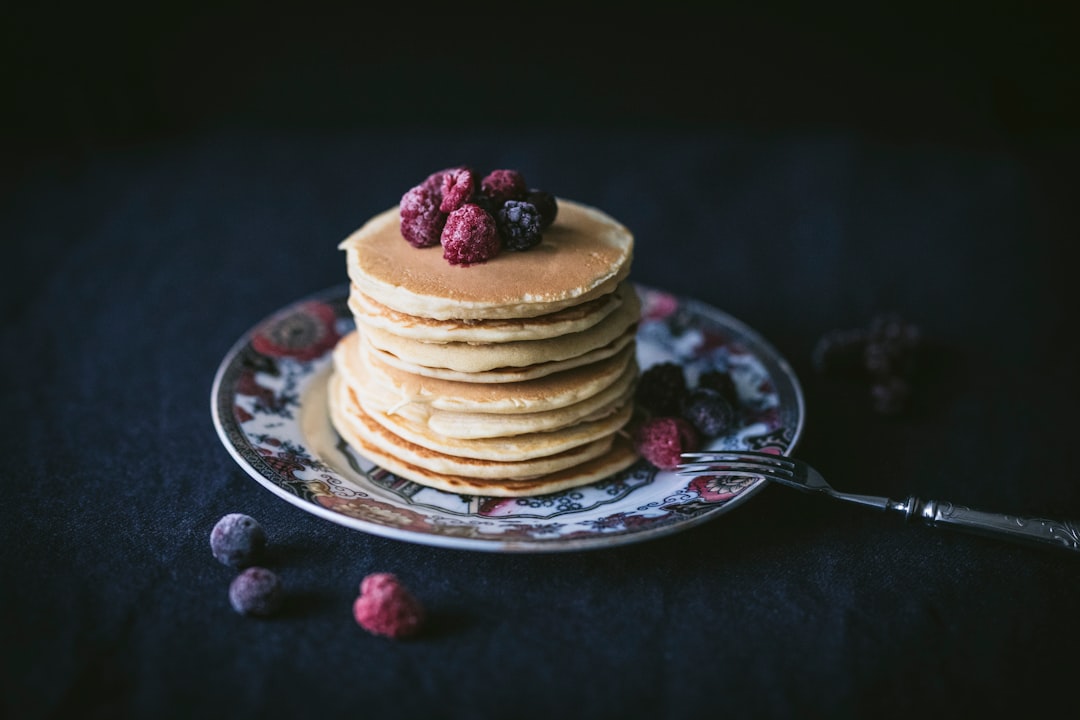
(133, 272)
(175, 173)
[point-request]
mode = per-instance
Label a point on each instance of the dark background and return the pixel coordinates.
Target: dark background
(175, 172)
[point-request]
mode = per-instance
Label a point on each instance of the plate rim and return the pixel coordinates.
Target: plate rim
(496, 544)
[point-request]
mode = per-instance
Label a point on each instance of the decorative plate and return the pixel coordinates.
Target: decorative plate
(269, 408)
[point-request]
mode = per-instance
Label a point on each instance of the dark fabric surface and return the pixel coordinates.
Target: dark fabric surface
(135, 260)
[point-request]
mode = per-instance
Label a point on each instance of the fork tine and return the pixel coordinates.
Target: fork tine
(728, 467)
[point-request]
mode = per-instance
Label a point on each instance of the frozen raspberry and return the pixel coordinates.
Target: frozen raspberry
(237, 540)
(661, 440)
(421, 220)
(503, 185)
(470, 236)
(519, 224)
(386, 607)
(709, 412)
(256, 591)
(546, 204)
(722, 382)
(457, 188)
(661, 389)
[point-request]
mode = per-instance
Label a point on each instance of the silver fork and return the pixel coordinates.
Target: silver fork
(793, 473)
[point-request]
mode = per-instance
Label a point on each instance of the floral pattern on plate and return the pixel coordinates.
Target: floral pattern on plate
(269, 408)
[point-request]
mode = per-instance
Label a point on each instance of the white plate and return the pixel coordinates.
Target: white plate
(269, 408)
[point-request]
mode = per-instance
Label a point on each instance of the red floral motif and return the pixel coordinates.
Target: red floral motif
(304, 334)
(242, 415)
(246, 384)
(714, 488)
(283, 464)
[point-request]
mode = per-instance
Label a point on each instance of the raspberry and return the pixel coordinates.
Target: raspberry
(503, 185)
(709, 412)
(386, 607)
(661, 440)
(546, 204)
(470, 236)
(662, 388)
(519, 224)
(457, 188)
(721, 382)
(256, 591)
(237, 540)
(421, 220)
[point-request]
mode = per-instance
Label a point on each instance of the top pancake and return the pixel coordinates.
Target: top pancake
(584, 255)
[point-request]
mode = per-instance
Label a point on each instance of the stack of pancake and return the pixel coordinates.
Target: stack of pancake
(507, 378)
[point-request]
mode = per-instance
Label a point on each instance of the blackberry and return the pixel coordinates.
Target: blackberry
(721, 382)
(519, 224)
(889, 396)
(470, 236)
(662, 440)
(457, 187)
(421, 220)
(503, 185)
(256, 591)
(237, 540)
(709, 412)
(892, 346)
(546, 204)
(661, 389)
(840, 352)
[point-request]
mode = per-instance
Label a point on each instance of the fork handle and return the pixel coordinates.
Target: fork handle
(1030, 531)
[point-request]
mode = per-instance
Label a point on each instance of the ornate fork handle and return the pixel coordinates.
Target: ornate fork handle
(1032, 531)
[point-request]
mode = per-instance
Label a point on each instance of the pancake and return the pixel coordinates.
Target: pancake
(584, 255)
(619, 456)
(514, 448)
(352, 422)
(480, 357)
(474, 425)
(545, 393)
(569, 320)
(507, 374)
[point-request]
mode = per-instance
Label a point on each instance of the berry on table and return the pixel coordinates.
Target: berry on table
(662, 440)
(386, 607)
(519, 224)
(256, 591)
(470, 236)
(237, 540)
(840, 352)
(662, 388)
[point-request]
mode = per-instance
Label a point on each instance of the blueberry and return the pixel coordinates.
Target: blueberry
(237, 540)
(721, 382)
(256, 591)
(709, 412)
